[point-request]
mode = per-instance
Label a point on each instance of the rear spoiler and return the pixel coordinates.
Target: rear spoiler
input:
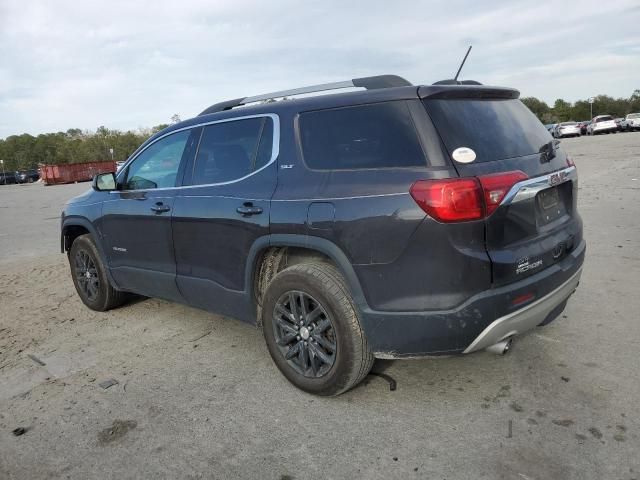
(467, 91)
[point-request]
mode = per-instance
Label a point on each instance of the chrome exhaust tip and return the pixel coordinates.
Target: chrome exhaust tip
(501, 347)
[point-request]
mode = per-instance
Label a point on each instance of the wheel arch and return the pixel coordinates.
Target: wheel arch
(315, 247)
(72, 227)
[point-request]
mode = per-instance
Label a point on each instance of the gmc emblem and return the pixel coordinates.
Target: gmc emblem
(557, 178)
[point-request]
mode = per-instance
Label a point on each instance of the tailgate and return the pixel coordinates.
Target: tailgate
(535, 227)
(536, 224)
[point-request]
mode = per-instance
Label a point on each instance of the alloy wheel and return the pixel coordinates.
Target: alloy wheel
(87, 275)
(305, 334)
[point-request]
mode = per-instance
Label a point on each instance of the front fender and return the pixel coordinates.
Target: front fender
(78, 221)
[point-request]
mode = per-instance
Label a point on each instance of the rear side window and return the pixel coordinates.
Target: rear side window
(495, 129)
(232, 150)
(380, 135)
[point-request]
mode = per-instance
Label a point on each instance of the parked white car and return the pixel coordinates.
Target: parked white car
(602, 124)
(631, 122)
(566, 129)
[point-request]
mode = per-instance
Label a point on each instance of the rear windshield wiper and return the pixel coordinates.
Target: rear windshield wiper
(548, 150)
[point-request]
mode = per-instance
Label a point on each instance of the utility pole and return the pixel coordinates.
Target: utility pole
(591, 100)
(4, 179)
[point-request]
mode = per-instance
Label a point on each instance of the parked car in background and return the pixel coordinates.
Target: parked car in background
(119, 165)
(602, 124)
(566, 129)
(7, 178)
(583, 126)
(550, 127)
(376, 223)
(619, 124)
(27, 176)
(631, 122)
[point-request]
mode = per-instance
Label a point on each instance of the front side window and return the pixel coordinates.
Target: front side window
(157, 166)
(232, 150)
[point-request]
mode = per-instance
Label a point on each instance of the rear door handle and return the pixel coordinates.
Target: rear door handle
(159, 207)
(247, 209)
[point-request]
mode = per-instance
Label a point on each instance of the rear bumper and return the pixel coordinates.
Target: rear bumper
(481, 321)
(569, 133)
(526, 318)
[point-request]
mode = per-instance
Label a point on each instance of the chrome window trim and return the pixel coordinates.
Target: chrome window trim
(530, 187)
(319, 199)
(275, 151)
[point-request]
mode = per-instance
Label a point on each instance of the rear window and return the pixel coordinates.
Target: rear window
(604, 119)
(494, 129)
(380, 135)
(568, 124)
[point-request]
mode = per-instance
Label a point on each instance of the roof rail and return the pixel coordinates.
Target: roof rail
(370, 83)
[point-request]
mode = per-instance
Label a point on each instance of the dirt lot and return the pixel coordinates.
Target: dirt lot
(198, 396)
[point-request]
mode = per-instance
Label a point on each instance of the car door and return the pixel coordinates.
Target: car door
(136, 219)
(222, 209)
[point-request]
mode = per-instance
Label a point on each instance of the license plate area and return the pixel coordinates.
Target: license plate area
(550, 205)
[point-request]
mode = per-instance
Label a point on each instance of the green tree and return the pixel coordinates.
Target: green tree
(634, 102)
(538, 107)
(562, 110)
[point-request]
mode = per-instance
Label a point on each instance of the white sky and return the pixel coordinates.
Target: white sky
(125, 64)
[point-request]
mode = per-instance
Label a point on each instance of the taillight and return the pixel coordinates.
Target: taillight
(450, 200)
(496, 187)
(463, 199)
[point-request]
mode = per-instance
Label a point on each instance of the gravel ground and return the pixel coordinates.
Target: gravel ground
(198, 396)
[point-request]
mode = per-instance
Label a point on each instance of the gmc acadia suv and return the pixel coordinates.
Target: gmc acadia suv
(398, 221)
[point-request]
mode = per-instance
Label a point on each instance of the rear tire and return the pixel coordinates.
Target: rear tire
(90, 276)
(323, 353)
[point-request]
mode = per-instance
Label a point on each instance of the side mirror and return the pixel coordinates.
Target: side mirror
(104, 182)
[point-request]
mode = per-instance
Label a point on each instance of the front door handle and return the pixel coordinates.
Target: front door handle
(160, 207)
(247, 209)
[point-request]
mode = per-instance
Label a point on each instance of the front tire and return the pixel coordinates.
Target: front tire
(90, 276)
(312, 330)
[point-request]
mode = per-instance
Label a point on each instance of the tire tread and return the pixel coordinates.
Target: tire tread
(335, 286)
(112, 298)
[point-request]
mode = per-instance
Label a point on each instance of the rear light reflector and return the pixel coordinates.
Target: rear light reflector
(464, 199)
(521, 299)
(496, 187)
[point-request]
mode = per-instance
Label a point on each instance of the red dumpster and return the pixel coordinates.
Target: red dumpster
(74, 172)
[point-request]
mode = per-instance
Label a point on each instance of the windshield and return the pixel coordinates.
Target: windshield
(633, 115)
(494, 128)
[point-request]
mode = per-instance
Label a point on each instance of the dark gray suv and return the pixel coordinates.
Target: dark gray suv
(398, 221)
